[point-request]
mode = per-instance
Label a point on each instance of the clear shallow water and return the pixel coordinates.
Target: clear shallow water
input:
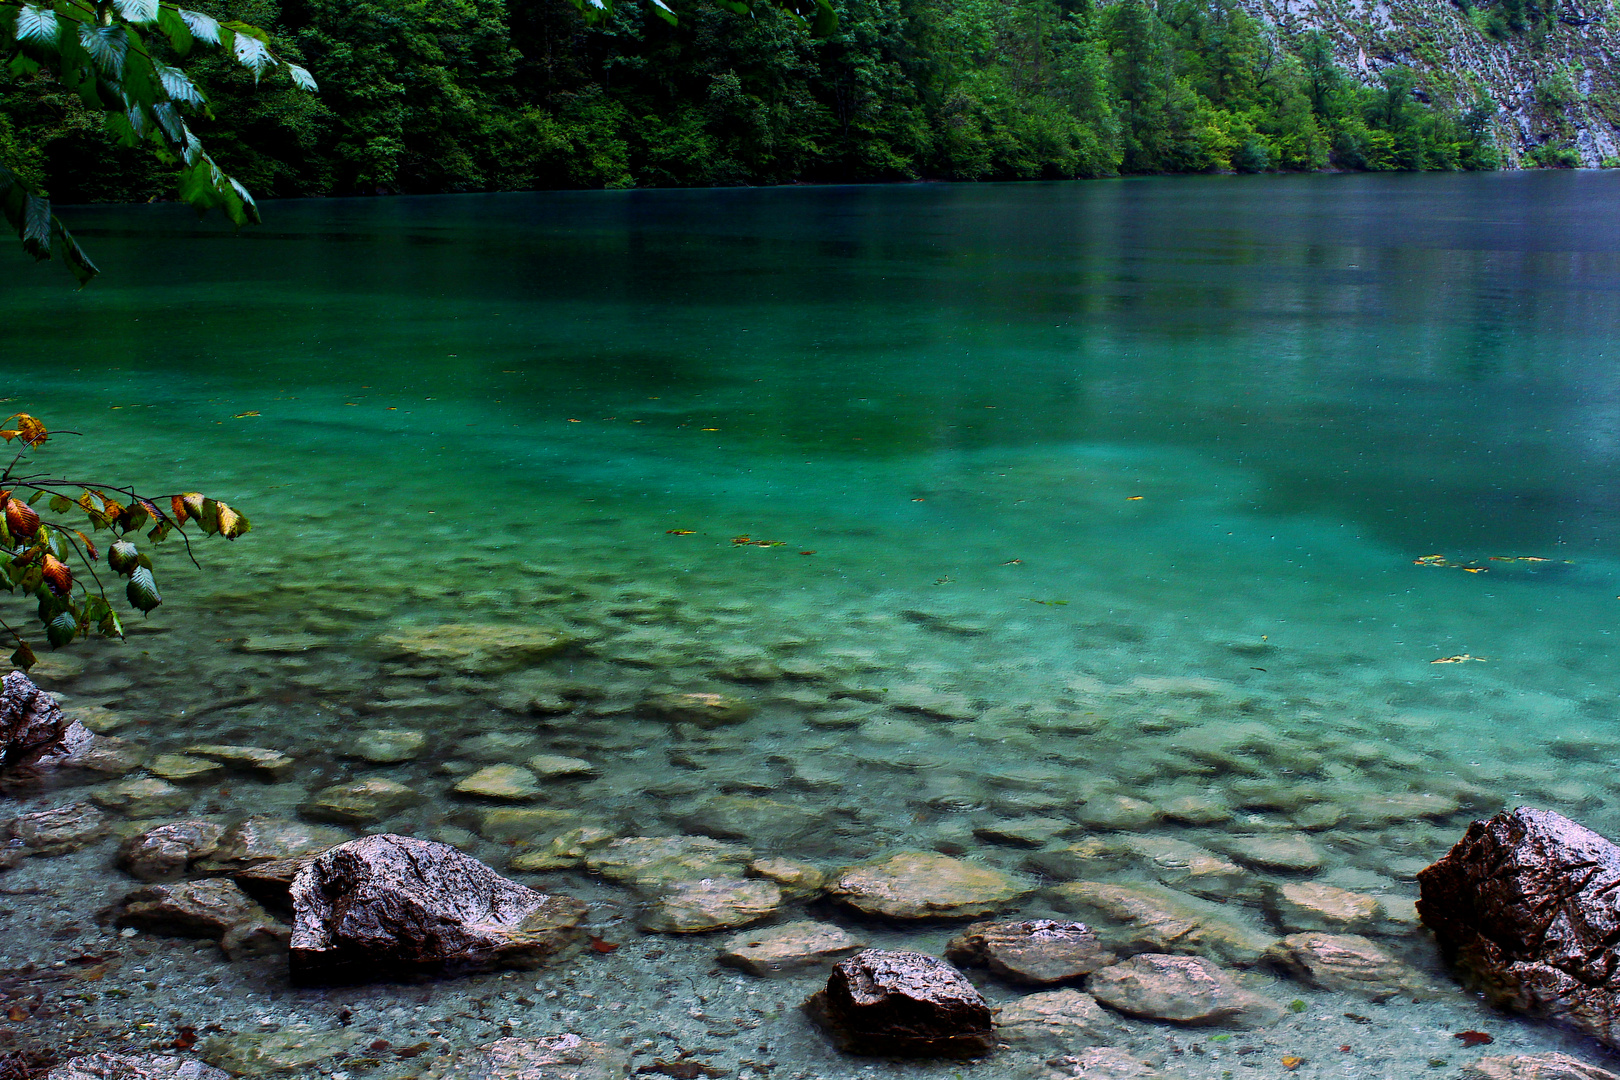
(1122, 480)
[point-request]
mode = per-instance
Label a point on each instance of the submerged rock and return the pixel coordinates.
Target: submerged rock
(1310, 905)
(167, 852)
(59, 830)
(799, 881)
(903, 1004)
(184, 769)
(1345, 962)
(1108, 1063)
(1289, 854)
(476, 648)
(294, 1047)
(34, 732)
(144, 797)
(703, 710)
(213, 908)
(1183, 989)
(1523, 906)
(1535, 1067)
(359, 802)
(789, 947)
(1037, 951)
(272, 764)
(926, 885)
(560, 1057)
(693, 907)
(1056, 1020)
(1145, 918)
(390, 906)
(134, 1067)
(263, 838)
(511, 783)
(657, 862)
(388, 746)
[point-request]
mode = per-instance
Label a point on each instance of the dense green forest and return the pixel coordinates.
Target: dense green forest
(473, 95)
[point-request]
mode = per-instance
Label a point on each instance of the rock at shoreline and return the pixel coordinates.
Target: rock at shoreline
(926, 885)
(903, 1004)
(166, 852)
(34, 732)
(1523, 907)
(390, 906)
(1038, 952)
(1535, 1067)
(1183, 989)
(134, 1067)
(790, 947)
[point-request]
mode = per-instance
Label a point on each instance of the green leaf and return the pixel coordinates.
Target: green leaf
(160, 532)
(36, 226)
(202, 27)
(36, 496)
(177, 85)
(107, 46)
(62, 629)
(36, 24)
(139, 12)
(176, 30)
(61, 504)
(142, 590)
(123, 557)
(303, 79)
(665, 12)
(23, 657)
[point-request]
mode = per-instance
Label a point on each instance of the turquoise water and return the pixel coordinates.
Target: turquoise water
(1110, 469)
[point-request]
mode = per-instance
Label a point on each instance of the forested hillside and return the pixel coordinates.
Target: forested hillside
(471, 95)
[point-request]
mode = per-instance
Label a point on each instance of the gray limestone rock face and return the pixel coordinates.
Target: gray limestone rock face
(793, 946)
(59, 830)
(903, 1004)
(359, 802)
(1182, 989)
(134, 1067)
(656, 862)
(212, 908)
(927, 885)
(695, 907)
(1345, 962)
(1534, 1067)
(1056, 1020)
(166, 852)
(390, 906)
(1037, 952)
(560, 1057)
(1145, 918)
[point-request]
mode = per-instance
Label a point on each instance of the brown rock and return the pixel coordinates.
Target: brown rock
(1535, 1067)
(1056, 1020)
(1523, 906)
(1038, 951)
(1183, 989)
(903, 1004)
(1345, 962)
(388, 906)
(164, 853)
(1310, 905)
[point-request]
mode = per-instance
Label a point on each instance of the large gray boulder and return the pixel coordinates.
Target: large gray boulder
(391, 906)
(1524, 907)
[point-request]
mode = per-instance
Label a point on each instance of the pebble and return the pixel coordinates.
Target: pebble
(475, 648)
(1120, 812)
(790, 947)
(557, 767)
(134, 1067)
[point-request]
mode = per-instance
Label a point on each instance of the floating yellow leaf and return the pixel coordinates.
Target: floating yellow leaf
(679, 532)
(1460, 659)
(1291, 1063)
(244, 415)
(1133, 498)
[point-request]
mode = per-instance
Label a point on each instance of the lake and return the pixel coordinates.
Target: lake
(1217, 510)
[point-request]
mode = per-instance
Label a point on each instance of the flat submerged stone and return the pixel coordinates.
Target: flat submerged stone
(926, 885)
